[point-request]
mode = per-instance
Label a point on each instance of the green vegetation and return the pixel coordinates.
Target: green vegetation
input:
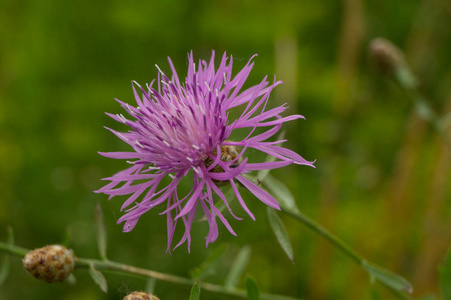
(383, 172)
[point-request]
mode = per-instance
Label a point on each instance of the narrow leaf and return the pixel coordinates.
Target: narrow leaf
(207, 267)
(150, 285)
(195, 292)
(101, 232)
(238, 267)
(280, 231)
(281, 193)
(387, 277)
(98, 278)
(445, 277)
(252, 289)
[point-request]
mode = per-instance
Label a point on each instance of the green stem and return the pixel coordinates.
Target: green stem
(325, 233)
(13, 250)
(407, 81)
(107, 265)
(392, 281)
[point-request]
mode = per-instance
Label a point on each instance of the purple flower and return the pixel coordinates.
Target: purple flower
(181, 128)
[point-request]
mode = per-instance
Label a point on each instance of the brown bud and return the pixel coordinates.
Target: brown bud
(386, 57)
(140, 296)
(51, 263)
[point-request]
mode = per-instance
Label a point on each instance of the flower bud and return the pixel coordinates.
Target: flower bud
(140, 296)
(386, 57)
(51, 263)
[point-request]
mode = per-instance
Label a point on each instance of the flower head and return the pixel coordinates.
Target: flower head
(140, 296)
(52, 263)
(183, 127)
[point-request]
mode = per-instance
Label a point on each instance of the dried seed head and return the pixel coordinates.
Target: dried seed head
(51, 263)
(386, 57)
(140, 296)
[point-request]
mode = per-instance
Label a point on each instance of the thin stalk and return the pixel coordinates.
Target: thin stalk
(112, 266)
(389, 279)
(13, 250)
(325, 233)
(407, 81)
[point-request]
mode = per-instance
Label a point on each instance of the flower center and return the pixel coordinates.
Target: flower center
(228, 154)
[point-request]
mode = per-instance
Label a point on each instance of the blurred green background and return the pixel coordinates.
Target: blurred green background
(382, 176)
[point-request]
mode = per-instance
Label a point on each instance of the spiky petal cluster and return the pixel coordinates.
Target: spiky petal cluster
(182, 127)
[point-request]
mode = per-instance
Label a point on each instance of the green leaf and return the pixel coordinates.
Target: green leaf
(252, 289)
(207, 267)
(4, 267)
(98, 278)
(281, 193)
(101, 232)
(150, 285)
(387, 277)
(195, 292)
(280, 231)
(238, 267)
(445, 277)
